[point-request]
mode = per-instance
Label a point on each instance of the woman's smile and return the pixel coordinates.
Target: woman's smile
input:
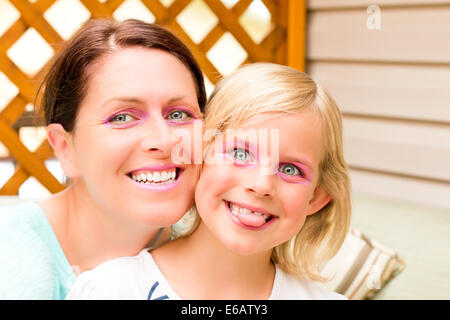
(157, 177)
(147, 95)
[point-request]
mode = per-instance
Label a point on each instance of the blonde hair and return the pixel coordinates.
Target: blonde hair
(262, 91)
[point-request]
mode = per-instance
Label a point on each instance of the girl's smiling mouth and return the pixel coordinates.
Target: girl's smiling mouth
(249, 217)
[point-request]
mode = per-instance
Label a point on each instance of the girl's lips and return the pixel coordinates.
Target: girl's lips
(255, 209)
(241, 222)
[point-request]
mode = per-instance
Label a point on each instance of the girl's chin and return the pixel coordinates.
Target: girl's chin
(245, 248)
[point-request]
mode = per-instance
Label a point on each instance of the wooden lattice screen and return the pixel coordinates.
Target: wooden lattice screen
(284, 44)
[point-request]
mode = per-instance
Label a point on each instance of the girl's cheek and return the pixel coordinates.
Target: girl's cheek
(217, 175)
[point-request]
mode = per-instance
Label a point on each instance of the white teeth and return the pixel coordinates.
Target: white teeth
(235, 210)
(161, 177)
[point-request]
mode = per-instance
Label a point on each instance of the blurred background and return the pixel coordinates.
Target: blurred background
(386, 62)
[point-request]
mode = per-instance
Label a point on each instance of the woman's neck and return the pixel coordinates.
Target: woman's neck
(89, 236)
(213, 270)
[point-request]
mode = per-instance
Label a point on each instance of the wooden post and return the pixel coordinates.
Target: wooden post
(296, 34)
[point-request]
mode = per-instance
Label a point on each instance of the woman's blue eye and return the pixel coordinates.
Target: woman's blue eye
(241, 155)
(290, 170)
(122, 118)
(179, 115)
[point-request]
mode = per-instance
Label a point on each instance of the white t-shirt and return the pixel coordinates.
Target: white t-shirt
(139, 278)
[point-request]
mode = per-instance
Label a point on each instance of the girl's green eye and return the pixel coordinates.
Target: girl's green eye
(241, 155)
(290, 170)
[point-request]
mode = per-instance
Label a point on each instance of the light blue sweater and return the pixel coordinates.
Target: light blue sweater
(32, 263)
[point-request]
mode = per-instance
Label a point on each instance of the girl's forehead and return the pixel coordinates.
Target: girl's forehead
(302, 120)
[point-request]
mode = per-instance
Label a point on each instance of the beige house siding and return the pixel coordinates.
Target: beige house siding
(393, 85)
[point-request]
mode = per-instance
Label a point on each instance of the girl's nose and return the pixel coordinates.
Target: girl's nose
(260, 184)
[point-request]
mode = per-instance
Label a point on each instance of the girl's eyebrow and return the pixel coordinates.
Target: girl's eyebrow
(301, 161)
(243, 143)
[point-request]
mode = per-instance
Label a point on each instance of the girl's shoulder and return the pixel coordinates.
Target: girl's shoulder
(288, 287)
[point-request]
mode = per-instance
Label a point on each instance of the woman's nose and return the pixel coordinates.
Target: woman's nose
(158, 137)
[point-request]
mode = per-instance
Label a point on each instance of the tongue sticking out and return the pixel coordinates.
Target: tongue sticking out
(251, 219)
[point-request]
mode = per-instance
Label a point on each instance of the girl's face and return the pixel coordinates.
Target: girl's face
(248, 209)
(125, 135)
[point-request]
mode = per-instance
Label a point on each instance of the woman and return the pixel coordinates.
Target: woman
(114, 99)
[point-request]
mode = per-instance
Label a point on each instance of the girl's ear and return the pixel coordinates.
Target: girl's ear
(62, 143)
(319, 200)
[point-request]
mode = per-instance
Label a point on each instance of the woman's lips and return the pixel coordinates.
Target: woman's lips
(157, 177)
(156, 168)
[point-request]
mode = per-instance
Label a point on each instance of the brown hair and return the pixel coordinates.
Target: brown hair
(66, 82)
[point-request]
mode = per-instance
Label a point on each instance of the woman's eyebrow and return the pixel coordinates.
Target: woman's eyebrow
(138, 100)
(183, 99)
(123, 99)
(178, 98)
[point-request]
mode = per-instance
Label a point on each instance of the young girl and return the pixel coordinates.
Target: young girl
(113, 99)
(270, 216)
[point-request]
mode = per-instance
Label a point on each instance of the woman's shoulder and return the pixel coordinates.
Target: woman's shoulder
(24, 226)
(25, 215)
(289, 287)
(19, 223)
(26, 266)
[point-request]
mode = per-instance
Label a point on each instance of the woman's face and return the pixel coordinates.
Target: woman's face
(137, 101)
(263, 192)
